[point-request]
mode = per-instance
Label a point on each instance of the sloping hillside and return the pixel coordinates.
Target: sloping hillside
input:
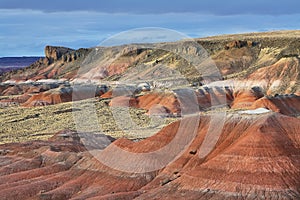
(255, 157)
(210, 118)
(271, 58)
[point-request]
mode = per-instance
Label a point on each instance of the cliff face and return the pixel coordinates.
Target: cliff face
(55, 53)
(59, 62)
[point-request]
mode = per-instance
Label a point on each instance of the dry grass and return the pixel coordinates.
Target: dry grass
(262, 35)
(23, 124)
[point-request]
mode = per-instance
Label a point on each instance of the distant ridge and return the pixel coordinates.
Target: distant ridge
(12, 63)
(268, 58)
(17, 61)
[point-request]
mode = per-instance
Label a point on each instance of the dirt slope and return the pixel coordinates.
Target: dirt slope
(254, 157)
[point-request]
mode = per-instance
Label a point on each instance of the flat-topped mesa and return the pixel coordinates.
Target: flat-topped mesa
(55, 53)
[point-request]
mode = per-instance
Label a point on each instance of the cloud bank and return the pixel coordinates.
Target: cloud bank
(214, 7)
(27, 26)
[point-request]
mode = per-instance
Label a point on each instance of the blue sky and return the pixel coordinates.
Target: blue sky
(27, 26)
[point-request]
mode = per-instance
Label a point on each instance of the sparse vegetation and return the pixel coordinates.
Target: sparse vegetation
(163, 69)
(22, 124)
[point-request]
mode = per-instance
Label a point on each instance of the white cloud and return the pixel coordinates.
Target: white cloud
(26, 32)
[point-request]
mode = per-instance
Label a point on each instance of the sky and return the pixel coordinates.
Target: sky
(26, 27)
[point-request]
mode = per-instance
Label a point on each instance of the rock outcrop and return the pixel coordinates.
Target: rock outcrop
(55, 53)
(240, 44)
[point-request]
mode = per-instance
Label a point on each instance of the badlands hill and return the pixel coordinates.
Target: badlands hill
(230, 106)
(230, 66)
(271, 59)
(253, 158)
